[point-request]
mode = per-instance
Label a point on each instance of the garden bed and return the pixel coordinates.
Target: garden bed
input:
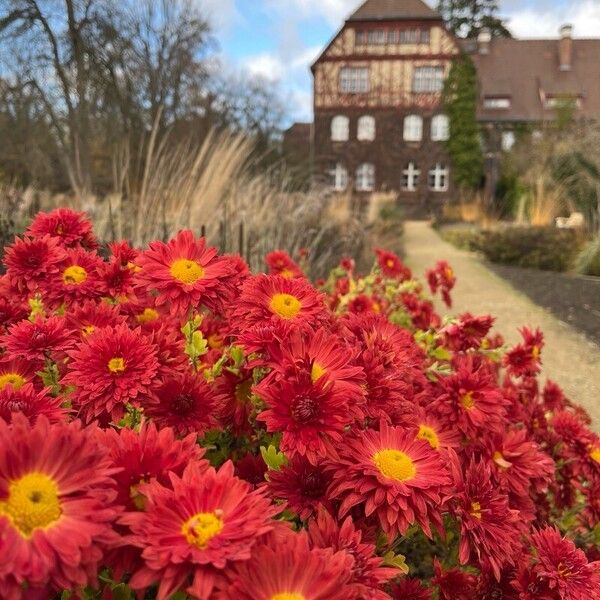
(574, 299)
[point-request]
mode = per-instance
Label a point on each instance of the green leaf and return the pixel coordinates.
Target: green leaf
(273, 459)
(122, 591)
(396, 560)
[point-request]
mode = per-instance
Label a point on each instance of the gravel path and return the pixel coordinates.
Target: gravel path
(569, 358)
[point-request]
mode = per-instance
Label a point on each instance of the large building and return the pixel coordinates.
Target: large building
(379, 124)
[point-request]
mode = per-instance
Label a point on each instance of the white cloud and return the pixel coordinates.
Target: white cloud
(221, 14)
(545, 21)
(265, 65)
(333, 11)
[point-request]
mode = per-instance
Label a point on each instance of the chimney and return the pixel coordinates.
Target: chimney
(483, 41)
(565, 48)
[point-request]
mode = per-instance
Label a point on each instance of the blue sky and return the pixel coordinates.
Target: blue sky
(278, 39)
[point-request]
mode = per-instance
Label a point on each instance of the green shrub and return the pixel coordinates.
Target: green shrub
(462, 237)
(544, 248)
(588, 260)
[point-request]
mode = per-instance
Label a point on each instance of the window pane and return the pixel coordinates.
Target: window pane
(366, 128)
(365, 177)
(428, 79)
(413, 128)
(425, 36)
(440, 128)
(340, 127)
(361, 38)
(354, 80)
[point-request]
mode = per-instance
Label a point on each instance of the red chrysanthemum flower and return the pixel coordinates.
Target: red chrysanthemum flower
(421, 311)
(281, 263)
(291, 570)
(31, 261)
(453, 584)
(429, 428)
(77, 280)
(146, 455)
(391, 265)
(564, 569)
(193, 534)
(268, 298)
(391, 474)
(184, 273)
(518, 463)
(16, 372)
(302, 485)
(31, 403)
(524, 359)
(554, 397)
(235, 391)
(409, 589)
(489, 529)
(252, 469)
(38, 339)
(12, 308)
(360, 304)
(56, 508)
(320, 357)
(392, 362)
(311, 416)
(442, 277)
(110, 368)
(369, 575)
(68, 227)
(186, 403)
(470, 398)
(87, 316)
(469, 332)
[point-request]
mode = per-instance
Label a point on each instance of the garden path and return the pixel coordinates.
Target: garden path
(568, 357)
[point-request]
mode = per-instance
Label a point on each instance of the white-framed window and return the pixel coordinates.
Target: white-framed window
(339, 177)
(438, 177)
(361, 38)
(366, 128)
(496, 103)
(340, 128)
(508, 140)
(354, 80)
(440, 128)
(413, 128)
(428, 79)
(365, 178)
(410, 177)
(376, 36)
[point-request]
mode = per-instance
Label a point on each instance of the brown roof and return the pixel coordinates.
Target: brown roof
(385, 10)
(526, 70)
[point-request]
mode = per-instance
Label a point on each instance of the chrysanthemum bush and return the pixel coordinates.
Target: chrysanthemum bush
(174, 426)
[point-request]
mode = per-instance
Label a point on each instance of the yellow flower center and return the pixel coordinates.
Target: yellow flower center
(147, 316)
(595, 454)
(395, 464)
(32, 503)
(13, 379)
(317, 372)
(74, 275)
(202, 527)
(288, 596)
(429, 435)
(467, 401)
(87, 330)
(138, 499)
(287, 274)
(564, 571)
(449, 273)
(499, 459)
(285, 305)
(187, 271)
(390, 263)
(476, 510)
(535, 352)
(116, 365)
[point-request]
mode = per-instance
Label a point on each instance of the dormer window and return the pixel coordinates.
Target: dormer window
(496, 102)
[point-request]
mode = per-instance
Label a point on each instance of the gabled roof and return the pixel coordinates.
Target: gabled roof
(388, 10)
(526, 69)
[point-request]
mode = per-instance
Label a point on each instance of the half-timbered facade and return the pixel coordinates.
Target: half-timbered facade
(378, 122)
